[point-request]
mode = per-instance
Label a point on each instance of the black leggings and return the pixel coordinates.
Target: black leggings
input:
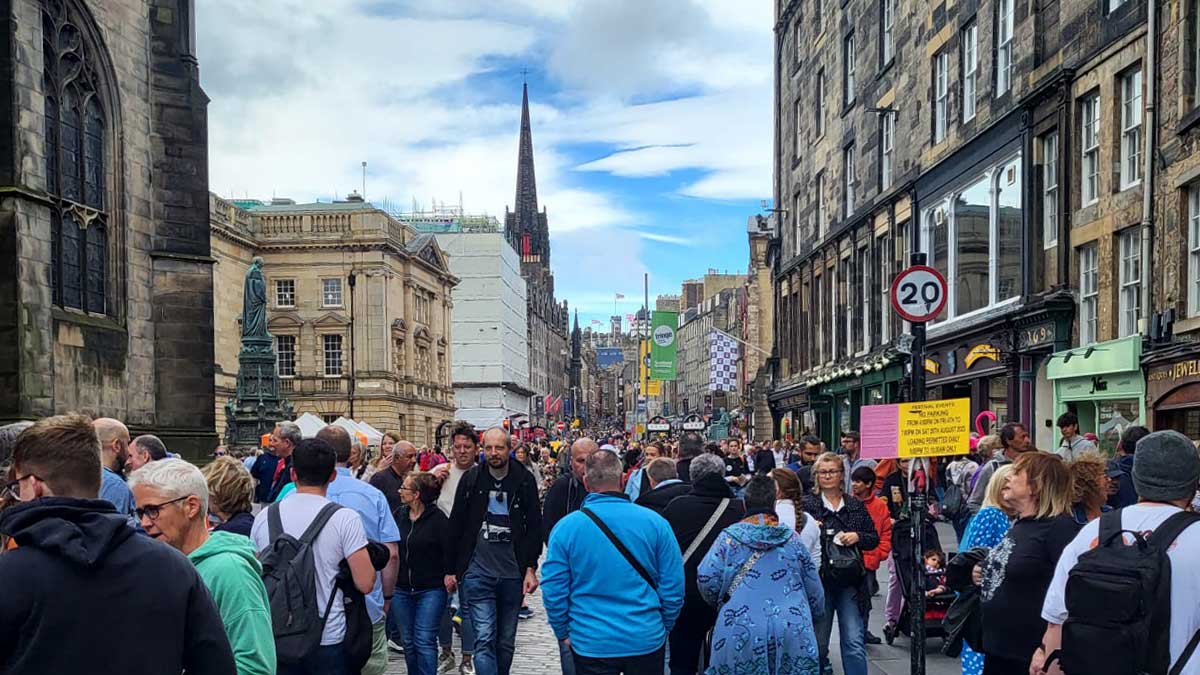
(998, 665)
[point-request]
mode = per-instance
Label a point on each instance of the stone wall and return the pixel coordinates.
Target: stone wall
(147, 359)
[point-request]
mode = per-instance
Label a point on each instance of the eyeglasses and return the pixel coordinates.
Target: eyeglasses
(405, 488)
(12, 490)
(153, 511)
(829, 472)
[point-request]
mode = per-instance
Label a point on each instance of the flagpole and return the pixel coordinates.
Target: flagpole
(741, 341)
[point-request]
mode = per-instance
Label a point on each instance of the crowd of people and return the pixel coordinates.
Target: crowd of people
(676, 556)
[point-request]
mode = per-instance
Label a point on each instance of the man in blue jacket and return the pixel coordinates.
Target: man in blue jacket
(611, 615)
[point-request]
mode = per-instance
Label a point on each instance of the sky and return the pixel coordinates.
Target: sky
(652, 127)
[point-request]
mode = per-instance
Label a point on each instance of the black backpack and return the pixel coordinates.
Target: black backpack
(289, 575)
(1119, 602)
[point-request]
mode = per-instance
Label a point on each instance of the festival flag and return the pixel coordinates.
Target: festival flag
(620, 296)
(723, 358)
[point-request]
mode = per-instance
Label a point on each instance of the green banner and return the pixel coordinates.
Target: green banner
(663, 347)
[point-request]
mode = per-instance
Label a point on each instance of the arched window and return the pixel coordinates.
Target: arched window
(76, 164)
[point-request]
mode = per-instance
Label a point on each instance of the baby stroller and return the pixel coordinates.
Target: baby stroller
(936, 606)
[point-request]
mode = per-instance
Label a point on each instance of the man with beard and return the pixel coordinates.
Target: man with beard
(114, 453)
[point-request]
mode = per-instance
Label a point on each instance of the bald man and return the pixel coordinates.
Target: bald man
(389, 480)
(567, 493)
(114, 452)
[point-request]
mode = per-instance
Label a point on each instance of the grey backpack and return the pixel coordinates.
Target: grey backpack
(289, 574)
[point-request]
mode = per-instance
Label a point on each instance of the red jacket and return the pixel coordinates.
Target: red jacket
(883, 525)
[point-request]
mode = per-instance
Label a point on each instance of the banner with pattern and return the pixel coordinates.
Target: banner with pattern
(723, 358)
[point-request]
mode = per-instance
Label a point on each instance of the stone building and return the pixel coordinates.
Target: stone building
(359, 305)
(1004, 140)
(106, 288)
(528, 232)
(490, 364)
(758, 329)
(693, 388)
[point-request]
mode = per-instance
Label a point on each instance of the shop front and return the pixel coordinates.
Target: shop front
(1173, 388)
(836, 400)
(972, 368)
(1102, 384)
(790, 412)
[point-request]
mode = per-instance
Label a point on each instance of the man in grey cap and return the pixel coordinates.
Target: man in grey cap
(1166, 474)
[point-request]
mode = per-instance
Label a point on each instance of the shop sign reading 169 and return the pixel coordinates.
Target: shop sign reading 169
(919, 293)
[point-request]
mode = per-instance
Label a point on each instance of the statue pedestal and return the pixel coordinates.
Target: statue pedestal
(258, 406)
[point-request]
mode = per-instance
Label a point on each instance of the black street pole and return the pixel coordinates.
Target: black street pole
(917, 505)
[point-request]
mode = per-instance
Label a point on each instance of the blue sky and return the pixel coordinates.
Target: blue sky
(651, 119)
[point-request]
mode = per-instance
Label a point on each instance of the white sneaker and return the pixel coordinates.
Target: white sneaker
(447, 663)
(467, 667)
(394, 646)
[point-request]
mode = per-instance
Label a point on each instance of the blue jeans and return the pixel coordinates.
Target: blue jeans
(841, 599)
(446, 633)
(493, 604)
(324, 660)
(566, 657)
(419, 614)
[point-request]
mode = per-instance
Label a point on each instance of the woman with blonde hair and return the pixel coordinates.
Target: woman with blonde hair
(986, 530)
(1017, 572)
(846, 531)
(230, 491)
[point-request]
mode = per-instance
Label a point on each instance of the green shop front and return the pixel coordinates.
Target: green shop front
(1103, 384)
(835, 397)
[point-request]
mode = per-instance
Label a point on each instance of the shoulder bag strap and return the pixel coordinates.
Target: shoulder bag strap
(318, 523)
(741, 575)
(1186, 655)
(637, 566)
(708, 527)
(1164, 535)
(274, 522)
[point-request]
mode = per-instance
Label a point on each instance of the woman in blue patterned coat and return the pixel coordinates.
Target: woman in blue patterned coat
(767, 593)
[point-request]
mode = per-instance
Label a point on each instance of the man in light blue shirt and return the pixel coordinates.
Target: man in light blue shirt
(380, 527)
(607, 627)
(114, 452)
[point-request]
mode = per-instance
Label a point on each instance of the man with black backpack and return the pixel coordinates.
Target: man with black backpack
(1133, 608)
(302, 541)
(612, 537)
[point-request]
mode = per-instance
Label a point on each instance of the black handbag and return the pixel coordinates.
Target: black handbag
(840, 564)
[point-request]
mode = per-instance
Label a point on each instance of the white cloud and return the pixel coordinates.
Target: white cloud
(302, 92)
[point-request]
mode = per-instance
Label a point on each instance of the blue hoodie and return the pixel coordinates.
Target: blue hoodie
(593, 595)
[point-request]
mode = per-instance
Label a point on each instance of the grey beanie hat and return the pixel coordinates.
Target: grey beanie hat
(1166, 467)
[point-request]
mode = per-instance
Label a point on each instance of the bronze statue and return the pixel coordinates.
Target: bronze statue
(254, 302)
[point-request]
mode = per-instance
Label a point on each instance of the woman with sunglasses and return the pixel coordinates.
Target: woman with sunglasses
(426, 559)
(846, 531)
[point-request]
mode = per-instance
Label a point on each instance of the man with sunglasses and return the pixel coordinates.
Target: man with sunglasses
(496, 526)
(73, 564)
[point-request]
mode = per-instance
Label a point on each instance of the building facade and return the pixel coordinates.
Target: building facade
(528, 232)
(106, 289)
(758, 330)
(694, 390)
(490, 363)
(1005, 140)
(359, 306)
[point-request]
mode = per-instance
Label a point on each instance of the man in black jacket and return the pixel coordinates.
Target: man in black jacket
(496, 527)
(688, 515)
(690, 447)
(664, 485)
(567, 493)
(72, 562)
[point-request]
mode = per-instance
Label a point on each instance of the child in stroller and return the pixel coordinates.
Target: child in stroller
(937, 597)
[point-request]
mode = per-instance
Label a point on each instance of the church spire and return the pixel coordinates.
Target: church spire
(526, 204)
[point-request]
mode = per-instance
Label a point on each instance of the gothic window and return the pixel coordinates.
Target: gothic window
(76, 164)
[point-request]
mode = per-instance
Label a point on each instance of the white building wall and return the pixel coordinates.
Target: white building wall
(489, 337)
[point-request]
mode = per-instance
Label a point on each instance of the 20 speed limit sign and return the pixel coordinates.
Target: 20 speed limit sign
(919, 293)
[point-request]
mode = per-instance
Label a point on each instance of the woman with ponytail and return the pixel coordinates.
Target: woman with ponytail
(788, 493)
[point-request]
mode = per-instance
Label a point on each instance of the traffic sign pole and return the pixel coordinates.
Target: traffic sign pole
(916, 495)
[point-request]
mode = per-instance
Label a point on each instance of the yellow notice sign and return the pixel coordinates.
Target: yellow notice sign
(928, 429)
(935, 428)
(654, 388)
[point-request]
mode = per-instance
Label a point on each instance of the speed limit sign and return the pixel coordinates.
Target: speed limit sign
(919, 293)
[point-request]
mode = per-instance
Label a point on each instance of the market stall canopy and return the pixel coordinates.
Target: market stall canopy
(309, 425)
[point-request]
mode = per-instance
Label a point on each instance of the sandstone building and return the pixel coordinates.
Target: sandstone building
(359, 305)
(105, 267)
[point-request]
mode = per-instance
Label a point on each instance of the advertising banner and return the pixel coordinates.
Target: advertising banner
(663, 347)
